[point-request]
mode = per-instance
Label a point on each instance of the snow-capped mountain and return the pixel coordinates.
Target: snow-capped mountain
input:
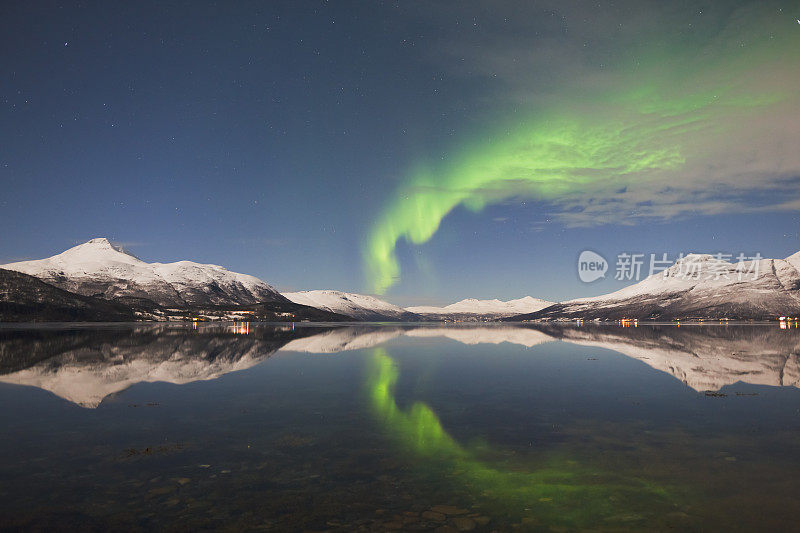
(24, 298)
(99, 268)
(357, 306)
(696, 286)
(476, 309)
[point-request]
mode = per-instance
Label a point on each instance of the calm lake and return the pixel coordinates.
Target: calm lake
(399, 427)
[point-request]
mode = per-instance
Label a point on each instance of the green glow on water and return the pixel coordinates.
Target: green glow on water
(559, 491)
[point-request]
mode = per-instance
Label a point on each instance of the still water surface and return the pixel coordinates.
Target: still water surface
(414, 428)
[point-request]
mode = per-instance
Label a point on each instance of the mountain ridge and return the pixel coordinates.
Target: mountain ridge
(117, 285)
(99, 268)
(357, 306)
(474, 309)
(695, 286)
(25, 298)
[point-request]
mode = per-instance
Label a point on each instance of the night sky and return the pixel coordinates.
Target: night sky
(425, 151)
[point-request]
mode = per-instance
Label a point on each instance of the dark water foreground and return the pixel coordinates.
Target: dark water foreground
(415, 428)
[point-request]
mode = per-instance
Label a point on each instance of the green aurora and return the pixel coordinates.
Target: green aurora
(646, 127)
(559, 491)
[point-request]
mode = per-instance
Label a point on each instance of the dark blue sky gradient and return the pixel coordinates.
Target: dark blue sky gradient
(266, 137)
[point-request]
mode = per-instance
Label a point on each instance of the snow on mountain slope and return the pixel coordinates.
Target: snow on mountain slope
(697, 285)
(358, 306)
(705, 272)
(489, 308)
(794, 260)
(99, 268)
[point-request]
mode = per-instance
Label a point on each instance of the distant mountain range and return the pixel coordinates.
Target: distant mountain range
(369, 308)
(481, 309)
(356, 306)
(92, 275)
(696, 286)
(98, 280)
(99, 268)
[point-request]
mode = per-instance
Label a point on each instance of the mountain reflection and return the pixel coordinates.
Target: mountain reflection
(86, 364)
(703, 357)
(706, 358)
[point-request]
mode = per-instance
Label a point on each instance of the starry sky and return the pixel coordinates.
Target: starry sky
(424, 151)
